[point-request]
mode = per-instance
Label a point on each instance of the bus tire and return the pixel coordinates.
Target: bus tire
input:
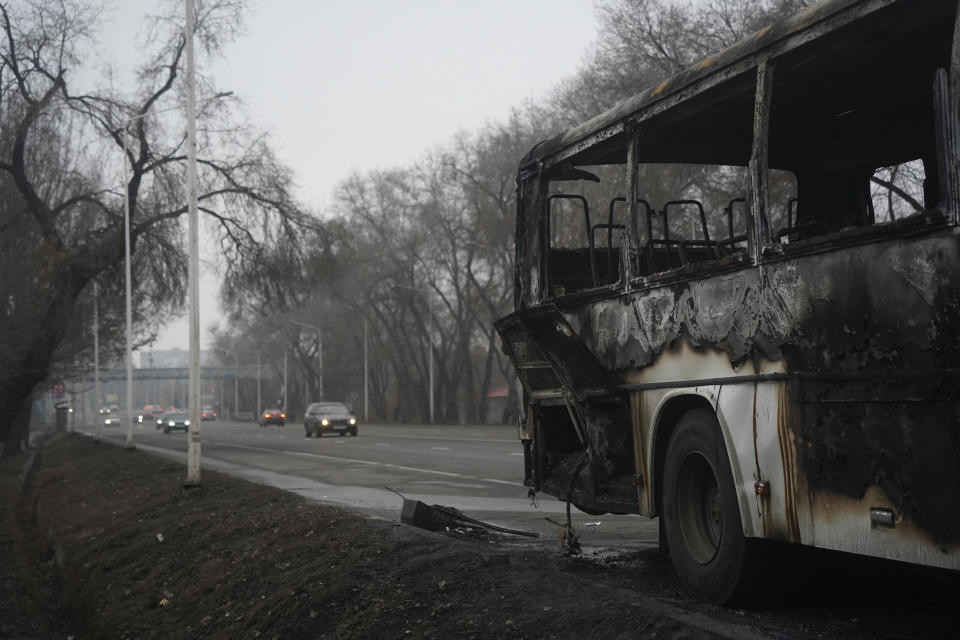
(701, 515)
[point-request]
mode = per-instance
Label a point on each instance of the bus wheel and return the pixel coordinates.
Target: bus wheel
(701, 517)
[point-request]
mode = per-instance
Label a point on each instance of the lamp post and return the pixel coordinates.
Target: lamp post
(236, 383)
(193, 267)
(430, 354)
(193, 275)
(128, 296)
(429, 341)
(96, 361)
(366, 377)
(319, 355)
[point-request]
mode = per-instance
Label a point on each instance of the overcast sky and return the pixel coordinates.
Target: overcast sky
(354, 85)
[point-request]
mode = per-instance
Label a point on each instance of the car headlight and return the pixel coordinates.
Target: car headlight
(324, 422)
(171, 424)
(186, 423)
(139, 418)
(353, 421)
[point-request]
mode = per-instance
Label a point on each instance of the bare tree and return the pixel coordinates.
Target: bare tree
(642, 42)
(110, 148)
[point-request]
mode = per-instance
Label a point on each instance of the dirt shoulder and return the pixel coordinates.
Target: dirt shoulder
(108, 544)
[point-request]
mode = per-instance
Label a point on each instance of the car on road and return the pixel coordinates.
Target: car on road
(115, 419)
(273, 416)
(150, 413)
(329, 417)
(178, 421)
(208, 413)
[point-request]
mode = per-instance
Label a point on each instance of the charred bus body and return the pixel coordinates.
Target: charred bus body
(738, 297)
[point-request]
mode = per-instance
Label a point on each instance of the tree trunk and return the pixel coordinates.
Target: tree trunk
(18, 433)
(30, 337)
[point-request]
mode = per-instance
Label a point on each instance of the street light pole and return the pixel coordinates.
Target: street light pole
(96, 361)
(193, 270)
(319, 355)
(129, 295)
(236, 381)
(193, 266)
(366, 377)
(430, 354)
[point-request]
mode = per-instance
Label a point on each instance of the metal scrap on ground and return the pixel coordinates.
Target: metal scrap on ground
(439, 518)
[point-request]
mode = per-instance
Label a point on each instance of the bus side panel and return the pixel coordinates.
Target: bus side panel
(843, 523)
(748, 417)
(867, 334)
(888, 472)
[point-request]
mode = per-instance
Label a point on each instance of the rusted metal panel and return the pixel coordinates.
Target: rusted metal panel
(757, 193)
(884, 304)
(842, 522)
(907, 449)
(642, 456)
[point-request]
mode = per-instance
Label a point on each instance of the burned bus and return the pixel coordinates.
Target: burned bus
(737, 297)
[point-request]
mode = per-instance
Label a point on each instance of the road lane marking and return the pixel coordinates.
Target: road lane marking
(302, 454)
(450, 483)
(372, 463)
(449, 438)
(516, 453)
(440, 448)
(383, 444)
(495, 481)
(449, 474)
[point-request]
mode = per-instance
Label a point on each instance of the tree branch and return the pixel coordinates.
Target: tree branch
(917, 206)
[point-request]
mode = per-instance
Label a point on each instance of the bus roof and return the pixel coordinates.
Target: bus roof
(804, 28)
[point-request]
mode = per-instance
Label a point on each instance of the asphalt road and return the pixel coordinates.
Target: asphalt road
(477, 469)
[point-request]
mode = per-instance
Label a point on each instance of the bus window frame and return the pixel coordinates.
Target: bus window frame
(761, 245)
(944, 100)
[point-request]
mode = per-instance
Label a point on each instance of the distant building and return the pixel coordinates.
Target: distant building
(498, 399)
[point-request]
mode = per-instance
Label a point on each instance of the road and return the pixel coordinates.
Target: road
(477, 469)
